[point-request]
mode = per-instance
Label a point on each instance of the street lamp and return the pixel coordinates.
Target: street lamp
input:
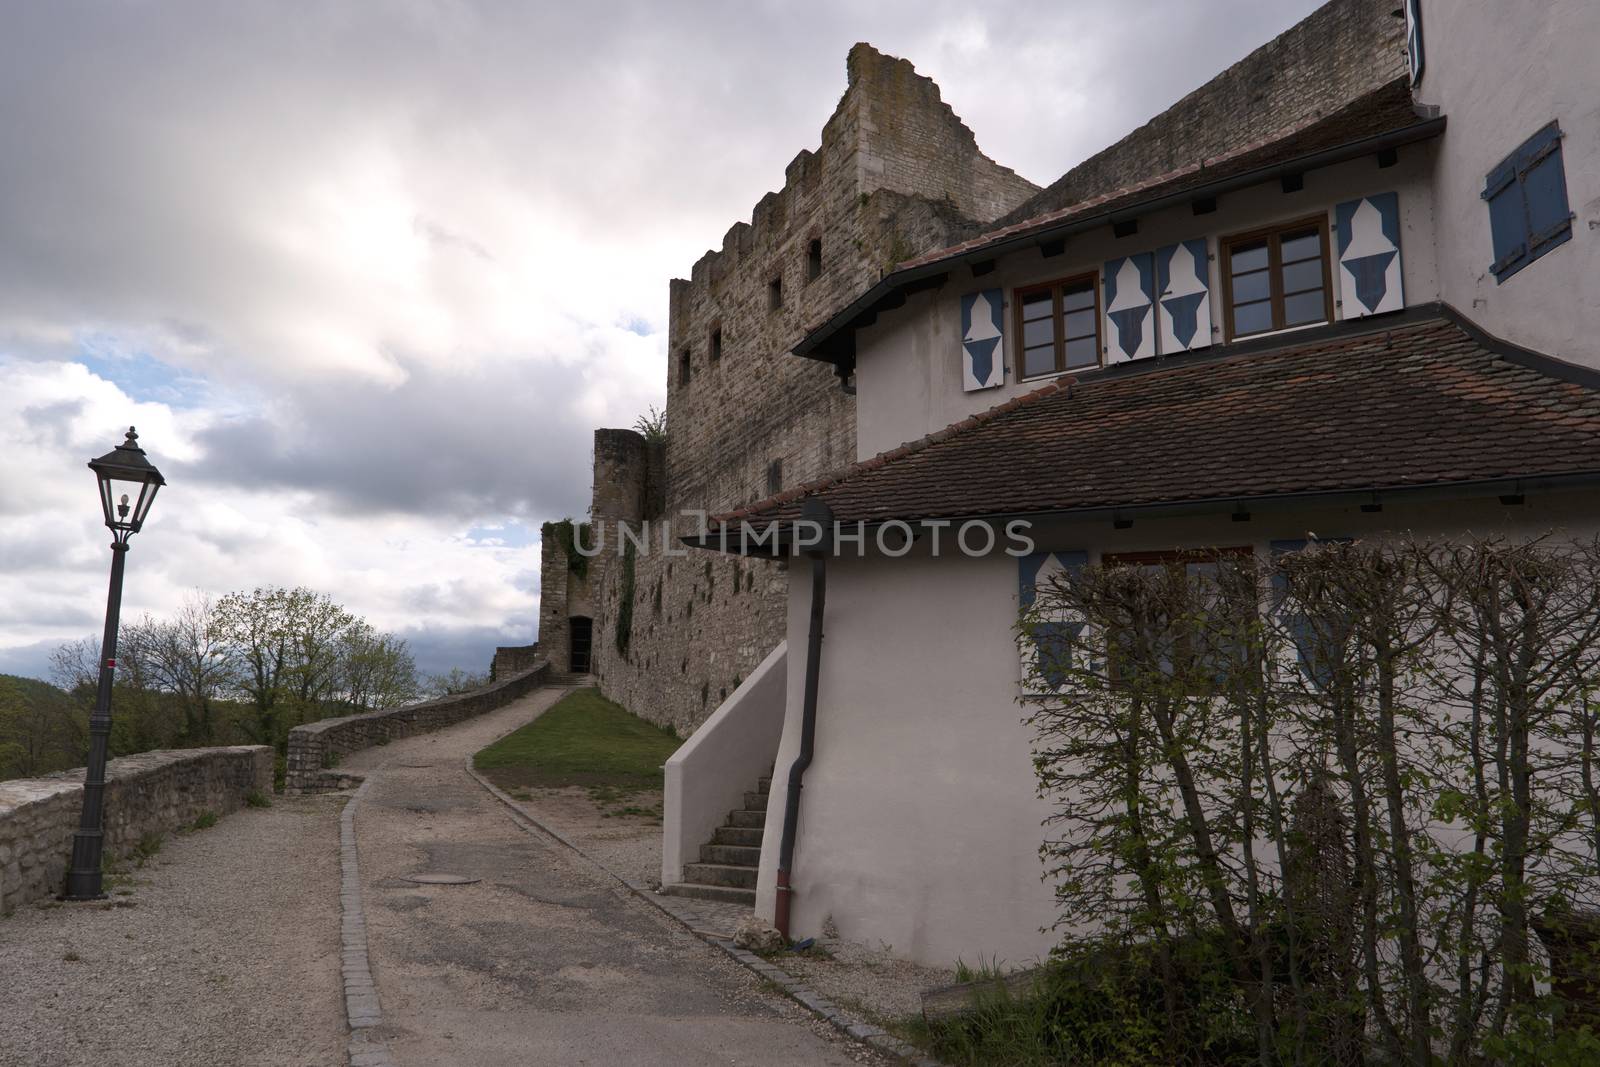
(123, 473)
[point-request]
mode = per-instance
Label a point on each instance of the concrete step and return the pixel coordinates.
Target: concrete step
(755, 801)
(734, 855)
(749, 837)
(726, 894)
(756, 818)
(720, 874)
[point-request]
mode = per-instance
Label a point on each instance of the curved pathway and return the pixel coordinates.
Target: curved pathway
(541, 960)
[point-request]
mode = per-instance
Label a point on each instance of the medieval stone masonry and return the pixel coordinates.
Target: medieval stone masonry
(896, 174)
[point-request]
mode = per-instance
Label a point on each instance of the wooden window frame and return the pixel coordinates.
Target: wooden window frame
(1162, 557)
(1275, 273)
(1055, 287)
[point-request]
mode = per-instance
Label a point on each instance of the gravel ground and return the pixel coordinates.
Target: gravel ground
(542, 959)
(626, 845)
(868, 980)
(864, 978)
(222, 950)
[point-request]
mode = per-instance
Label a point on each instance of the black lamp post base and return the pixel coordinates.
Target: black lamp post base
(85, 879)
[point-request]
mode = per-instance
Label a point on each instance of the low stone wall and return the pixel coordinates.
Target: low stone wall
(513, 659)
(151, 793)
(316, 748)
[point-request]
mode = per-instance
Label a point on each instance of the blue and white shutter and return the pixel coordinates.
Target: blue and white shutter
(1183, 310)
(1054, 635)
(983, 348)
(1129, 284)
(1367, 236)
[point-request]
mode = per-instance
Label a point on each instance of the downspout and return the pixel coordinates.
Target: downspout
(814, 511)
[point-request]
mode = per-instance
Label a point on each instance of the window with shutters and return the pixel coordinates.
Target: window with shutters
(1277, 278)
(1059, 323)
(1527, 197)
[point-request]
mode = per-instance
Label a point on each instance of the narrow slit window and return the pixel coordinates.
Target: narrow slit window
(1278, 278)
(684, 368)
(714, 349)
(1059, 326)
(814, 259)
(775, 293)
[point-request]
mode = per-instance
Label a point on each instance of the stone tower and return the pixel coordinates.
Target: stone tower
(897, 173)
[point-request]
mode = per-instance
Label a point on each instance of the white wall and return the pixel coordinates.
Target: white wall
(919, 825)
(908, 364)
(1500, 72)
(710, 773)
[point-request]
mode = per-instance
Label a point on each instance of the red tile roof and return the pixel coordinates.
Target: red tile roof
(1364, 407)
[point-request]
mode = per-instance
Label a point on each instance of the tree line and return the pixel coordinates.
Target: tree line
(1339, 806)
(241, 669)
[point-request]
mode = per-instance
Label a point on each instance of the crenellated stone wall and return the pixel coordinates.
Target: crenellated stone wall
(896, 173)
(150, 793)
(316, 747)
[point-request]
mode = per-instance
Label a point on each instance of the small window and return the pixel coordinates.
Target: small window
(1527, 195)
(1278, 278)
(684, 368)
(1059, 324)
(714, 349)
(775, 477)
(814, 259)
(775, 293)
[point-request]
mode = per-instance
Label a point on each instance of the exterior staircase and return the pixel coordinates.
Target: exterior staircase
(730, 861)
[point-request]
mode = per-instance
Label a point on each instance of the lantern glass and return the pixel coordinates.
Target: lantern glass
(128, 486)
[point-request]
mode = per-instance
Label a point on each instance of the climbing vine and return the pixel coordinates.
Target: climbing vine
(566, 533)
(624, 631)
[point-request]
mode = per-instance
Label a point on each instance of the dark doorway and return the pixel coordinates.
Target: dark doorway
(582, 637)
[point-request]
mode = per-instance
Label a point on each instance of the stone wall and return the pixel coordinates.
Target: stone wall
(896, 173)
(150, 793)
(513, 659)
(316, 748)
(1340, 51)
(701, 623)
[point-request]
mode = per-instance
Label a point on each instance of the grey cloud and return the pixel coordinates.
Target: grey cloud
(443, 443)
(439, 649)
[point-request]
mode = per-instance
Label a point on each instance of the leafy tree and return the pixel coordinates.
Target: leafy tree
(378, 669)
(457, 681)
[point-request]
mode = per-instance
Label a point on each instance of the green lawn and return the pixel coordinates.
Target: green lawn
(583, 740)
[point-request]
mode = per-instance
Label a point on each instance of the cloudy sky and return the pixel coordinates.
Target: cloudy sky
(366, 275)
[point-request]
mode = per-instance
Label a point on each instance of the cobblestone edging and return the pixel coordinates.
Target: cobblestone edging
(683, 910)
(148, 793)
(318, 746)
(362, 1010)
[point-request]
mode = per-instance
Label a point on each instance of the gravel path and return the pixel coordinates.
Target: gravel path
(543, 960)
(225, 952)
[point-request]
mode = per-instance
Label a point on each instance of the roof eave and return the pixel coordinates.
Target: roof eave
(819, 344)
(1266, 503)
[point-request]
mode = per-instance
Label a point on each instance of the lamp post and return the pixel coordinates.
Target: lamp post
(122, 472)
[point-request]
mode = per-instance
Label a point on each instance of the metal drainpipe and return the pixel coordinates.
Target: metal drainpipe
(815, 511)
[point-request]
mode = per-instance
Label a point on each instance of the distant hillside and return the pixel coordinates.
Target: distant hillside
(42, 729)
